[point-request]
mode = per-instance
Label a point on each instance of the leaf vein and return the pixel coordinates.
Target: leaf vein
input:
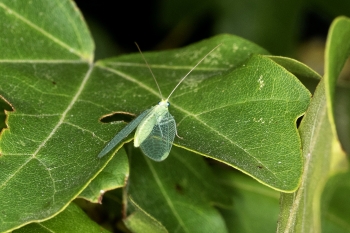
(167, 198)
(42, 31)
(85, 130)
(60, 122)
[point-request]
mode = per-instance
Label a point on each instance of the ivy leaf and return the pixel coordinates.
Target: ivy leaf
(301, 211)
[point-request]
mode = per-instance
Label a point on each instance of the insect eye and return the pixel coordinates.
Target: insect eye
(167, 104)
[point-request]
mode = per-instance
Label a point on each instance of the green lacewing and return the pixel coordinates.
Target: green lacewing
(156, 127)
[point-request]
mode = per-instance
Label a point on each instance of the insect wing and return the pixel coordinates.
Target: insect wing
(158, 144)
(146, 126)
(123, 133)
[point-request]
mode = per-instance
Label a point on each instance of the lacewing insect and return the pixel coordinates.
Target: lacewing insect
(156, 127)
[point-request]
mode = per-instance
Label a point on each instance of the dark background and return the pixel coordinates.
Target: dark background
(283, 27)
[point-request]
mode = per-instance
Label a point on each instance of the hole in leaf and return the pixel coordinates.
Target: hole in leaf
(299, 121)
(4, 106)
(117, 116)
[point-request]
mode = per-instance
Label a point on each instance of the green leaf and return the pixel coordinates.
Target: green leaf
(255, 206)
(305, 74)
(178, 192)
(111, 177)
(44, 67)
(110, 212)
(336, 205)
(335, 200)
(250, 108)
(300, 212)
(342, 115)
(236, 107)
(297, 68)
(43, 30)
(72, 219)
(141, 222)
(337, 52)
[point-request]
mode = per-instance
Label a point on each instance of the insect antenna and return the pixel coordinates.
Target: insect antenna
(160, 92)
(200, 61)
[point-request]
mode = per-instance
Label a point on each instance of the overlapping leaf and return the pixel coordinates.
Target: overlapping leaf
(301, 211)
(253, 203)
(141, 222)
(235, 107)
(179, 192)
(111, 177)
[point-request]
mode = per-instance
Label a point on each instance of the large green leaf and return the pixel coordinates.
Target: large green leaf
(45, 49)
(300, 212)
(178, 193)
(72, 219)
(335, 200)
(244, 116)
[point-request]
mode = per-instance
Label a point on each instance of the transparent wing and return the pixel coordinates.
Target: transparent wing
(123, 133)
(158, 144)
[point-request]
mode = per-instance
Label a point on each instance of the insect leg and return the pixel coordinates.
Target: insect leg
(176, 131)
(169, 119)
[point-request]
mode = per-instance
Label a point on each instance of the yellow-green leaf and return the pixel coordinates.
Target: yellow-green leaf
(301, 211)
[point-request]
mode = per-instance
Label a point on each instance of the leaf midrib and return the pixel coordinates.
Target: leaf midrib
(59, 123)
